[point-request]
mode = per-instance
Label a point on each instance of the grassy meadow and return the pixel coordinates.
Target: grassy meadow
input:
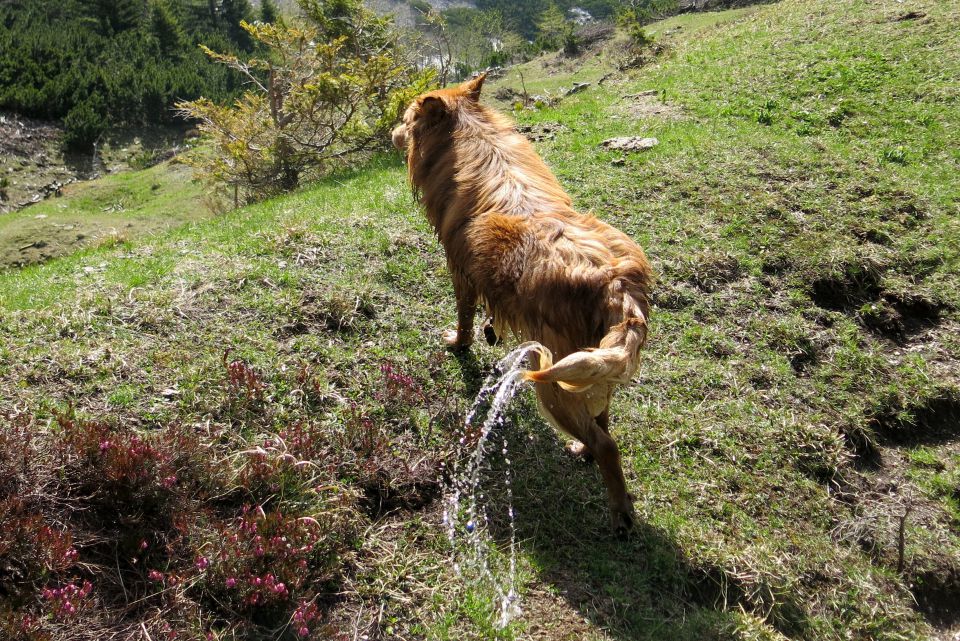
(239, 428)
(117, 207)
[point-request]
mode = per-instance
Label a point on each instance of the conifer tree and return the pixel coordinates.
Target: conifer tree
(553, 27)
(268, 12)
(115, 16)
(232, 13)
(166, 28)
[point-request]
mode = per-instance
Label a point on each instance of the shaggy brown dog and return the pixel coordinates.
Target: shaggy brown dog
(514, 242)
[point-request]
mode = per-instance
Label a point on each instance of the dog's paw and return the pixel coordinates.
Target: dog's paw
(578, 451)
(454, 341)
(622, 521)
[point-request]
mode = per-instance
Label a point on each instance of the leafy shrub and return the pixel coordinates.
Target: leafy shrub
(571, 43)
(634, 14)
(638, 35)
(325, 92)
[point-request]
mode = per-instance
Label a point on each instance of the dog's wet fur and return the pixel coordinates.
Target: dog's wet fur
(543, 271)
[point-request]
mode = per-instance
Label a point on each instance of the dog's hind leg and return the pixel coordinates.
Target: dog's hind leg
(490, 332)
(603, 420)
(578, 450)
(570, 414)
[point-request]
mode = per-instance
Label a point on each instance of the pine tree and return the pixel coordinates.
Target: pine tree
(268, 12)
(232, 12)
(552, 27)
(115, 16)
(166, 28)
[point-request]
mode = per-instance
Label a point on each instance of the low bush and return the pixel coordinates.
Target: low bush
(83, 126)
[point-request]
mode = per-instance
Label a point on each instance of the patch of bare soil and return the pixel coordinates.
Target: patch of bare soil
(31, 165)
(893, 315)
(541, 131)
(34, 167)
(647, 105)
(903, 529)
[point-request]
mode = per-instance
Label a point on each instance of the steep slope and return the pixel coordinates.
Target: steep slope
(792, 439)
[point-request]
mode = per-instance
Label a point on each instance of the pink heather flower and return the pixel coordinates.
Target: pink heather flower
(155, 575)
(104, 445)
(169, 481)
(280, 588)
(303, 631)
(203, 563)
(143, 544)
(87, 589)
(231, 582)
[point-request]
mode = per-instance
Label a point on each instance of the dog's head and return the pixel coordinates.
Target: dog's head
(434, 111)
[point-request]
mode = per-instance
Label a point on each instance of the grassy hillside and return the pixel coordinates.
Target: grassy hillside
(173, 408)
(114, 208)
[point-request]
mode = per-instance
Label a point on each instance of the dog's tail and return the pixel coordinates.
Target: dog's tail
(614, 361)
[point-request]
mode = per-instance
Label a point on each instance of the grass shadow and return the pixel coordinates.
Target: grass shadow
(472, 371)
(643, 587)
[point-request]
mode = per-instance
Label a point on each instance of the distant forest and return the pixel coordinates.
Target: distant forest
(99, 63)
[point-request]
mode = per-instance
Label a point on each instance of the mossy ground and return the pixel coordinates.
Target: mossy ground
(792, 438)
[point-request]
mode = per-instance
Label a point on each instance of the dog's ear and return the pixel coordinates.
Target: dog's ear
(431, 110)
(472, 87)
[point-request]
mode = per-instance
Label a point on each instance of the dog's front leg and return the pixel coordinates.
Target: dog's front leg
(462, 337)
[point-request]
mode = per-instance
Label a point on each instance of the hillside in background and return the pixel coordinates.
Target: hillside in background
(239, 429)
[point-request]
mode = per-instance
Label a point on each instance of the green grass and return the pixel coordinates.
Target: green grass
(115, 208)
(799, 393)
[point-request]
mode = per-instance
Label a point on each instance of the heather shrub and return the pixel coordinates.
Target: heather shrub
(187, 532)
(260, 561)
